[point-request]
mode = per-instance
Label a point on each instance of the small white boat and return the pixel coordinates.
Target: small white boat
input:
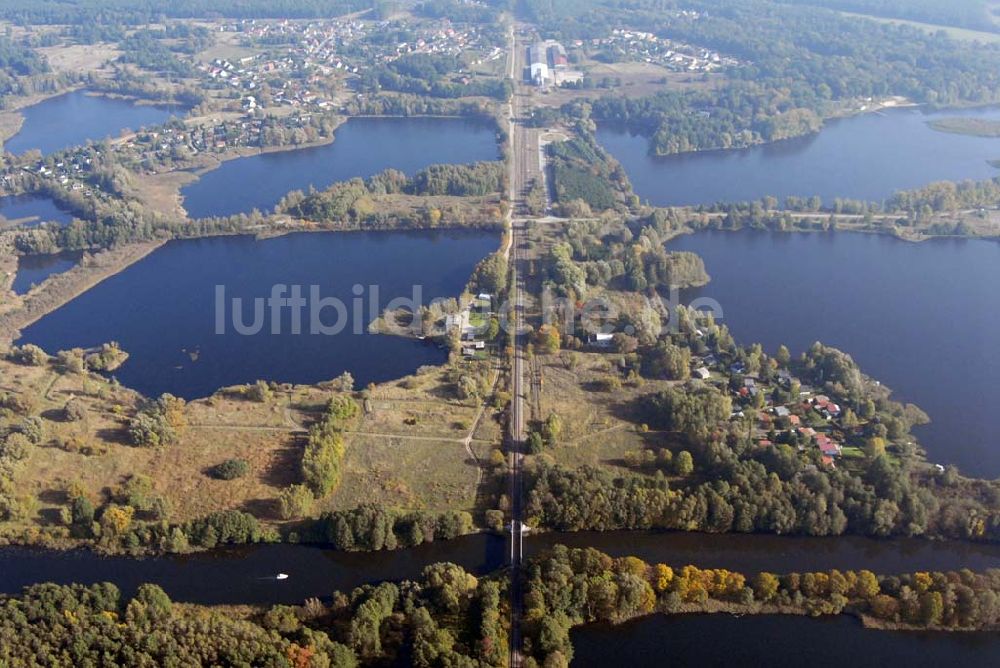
(281, 576)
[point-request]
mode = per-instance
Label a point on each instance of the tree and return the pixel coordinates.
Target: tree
(294, 501)
(783, 357)
(548, 339)
(875, 448)
(116, 519)
(765, 586)
(536, 444)
(931, 608)
(159, 422)
(552, 429)
(494, 520)
(345, 382)
(683, 463)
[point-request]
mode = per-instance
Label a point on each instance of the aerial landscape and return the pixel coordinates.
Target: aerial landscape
(520, 333)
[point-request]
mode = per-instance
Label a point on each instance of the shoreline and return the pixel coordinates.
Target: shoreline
(717, 607)
(60, 289)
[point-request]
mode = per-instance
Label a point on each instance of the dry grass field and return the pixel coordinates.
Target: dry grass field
(637, 80)
(598, 427)
(415, 446)
(79, 58)
(407, 472)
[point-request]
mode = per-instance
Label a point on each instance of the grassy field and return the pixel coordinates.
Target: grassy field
(407, 473)
(637, 80)
(955, 33)
(598, 427)
(80, 58)
(418, 447)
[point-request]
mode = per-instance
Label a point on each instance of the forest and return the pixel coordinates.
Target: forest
(446, 617)
(80, 12)
(353, 199)
(586, 178)
(972, 14)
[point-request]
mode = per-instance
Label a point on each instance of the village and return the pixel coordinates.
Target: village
(782, 410)
(306, 64)
(638, 46)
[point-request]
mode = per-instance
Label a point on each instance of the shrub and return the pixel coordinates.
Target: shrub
(28, 354)
(494, 520)
(231, 469)
(260, 392)
(74, 410)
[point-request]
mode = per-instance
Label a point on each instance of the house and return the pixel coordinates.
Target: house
(702, 373)
(782, 411)
(825, 407)
(602, 340)
(828, 446)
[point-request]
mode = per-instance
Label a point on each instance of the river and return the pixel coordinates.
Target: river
(163, 309)
(91, 118)
(866, 157)
(246, 574)
(362, 147)
(752, 553)
(922, 318)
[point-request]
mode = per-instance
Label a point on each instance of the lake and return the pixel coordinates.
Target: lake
(921, 318)
(32, 210)
(74, 118)
(363, 147)
(774, 641)
(34, 269)
(163, 308)
(866, 157)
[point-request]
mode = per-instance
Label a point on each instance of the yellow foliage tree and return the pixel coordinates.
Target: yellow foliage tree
(117, 519)
(663, 576)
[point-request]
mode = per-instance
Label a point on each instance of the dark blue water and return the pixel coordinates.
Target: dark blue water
(245, 575)
(771, 640)
(752, 553)
(921, 318)
(866, 157)
(363, 147)
(74, 118)
(33, 269)
(162, 309)
(32, 210)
